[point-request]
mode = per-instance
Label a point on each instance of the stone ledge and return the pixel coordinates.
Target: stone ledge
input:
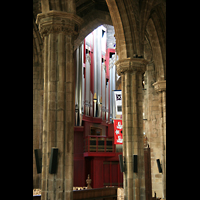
(160, 86)
(58, 21)
(131, 64)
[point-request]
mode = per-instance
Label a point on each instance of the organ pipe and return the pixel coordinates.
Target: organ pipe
(87, 98)
(80, 83)
(96, 57)
(107, 107)
(99, 71)
(91, 104)
(78, 87)
(103, 91)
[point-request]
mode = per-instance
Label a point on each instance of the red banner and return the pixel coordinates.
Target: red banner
(118, 138)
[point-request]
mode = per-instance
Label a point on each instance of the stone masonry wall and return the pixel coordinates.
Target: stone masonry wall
(153, 128)
(37, 117)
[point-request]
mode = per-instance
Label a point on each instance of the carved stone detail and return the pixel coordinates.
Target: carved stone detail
(131, 64)
(58, 21)
(160, 86)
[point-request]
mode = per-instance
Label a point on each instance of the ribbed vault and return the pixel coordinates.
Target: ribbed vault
(128, 17)
(37, 44)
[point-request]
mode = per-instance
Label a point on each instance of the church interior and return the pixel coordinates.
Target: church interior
(99, 99)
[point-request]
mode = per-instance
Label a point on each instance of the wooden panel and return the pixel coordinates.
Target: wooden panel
(78, 143)
(114, 173)
(79, 175)
(97, 173)
(106, 172)
(96, 193)
(100, 193)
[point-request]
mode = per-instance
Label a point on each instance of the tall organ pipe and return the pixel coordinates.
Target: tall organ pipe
(83, 80)
(76, 87)
(99, 71)
(103, 91)
(80, 83)
(111, 88)
(95, 69)
(87, 98)
(107, 107)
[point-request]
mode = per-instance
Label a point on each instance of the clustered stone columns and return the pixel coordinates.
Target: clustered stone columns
(131, 70)
(58, 29)
(160, 87)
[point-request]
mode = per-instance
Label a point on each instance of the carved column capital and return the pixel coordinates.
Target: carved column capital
(58, 21)
(131, 64)
(160, 86)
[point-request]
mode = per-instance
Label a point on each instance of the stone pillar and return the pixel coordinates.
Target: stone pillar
(131, 70)
(58, 29)
(160, 87)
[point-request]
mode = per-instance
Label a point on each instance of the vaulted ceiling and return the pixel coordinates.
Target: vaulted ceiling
(133, 15)
(82, 6)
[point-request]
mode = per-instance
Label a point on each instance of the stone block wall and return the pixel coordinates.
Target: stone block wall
(153, 128)
(37, 117)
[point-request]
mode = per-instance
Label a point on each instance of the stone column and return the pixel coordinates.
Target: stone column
(131, 70)
(58, 29)
(160, 87)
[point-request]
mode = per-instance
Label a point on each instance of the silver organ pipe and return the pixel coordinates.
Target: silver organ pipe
(80, 105)
(91, 104)
(99, 71)
(103, 91)
(112, 69)
(76, 87)
(83, 82)
(87, 98)
(107, 107)
(95, 70)
(111, 89)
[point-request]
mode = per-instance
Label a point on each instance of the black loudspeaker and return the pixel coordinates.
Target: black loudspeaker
(38, 160)
(135, 163)
(53, 160)
(121, 163)
(159, 166)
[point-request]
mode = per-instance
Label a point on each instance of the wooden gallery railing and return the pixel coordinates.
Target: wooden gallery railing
(99, 144)
(92, 194)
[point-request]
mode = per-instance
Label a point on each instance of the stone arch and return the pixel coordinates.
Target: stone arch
(91, 21)
(37, 44)
(158, 17)
(119, 30)
(156, 50)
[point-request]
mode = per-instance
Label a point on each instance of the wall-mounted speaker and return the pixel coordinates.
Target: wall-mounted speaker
(135, 163)
(159, 166)
(53, 160)
(38, 160)
(121, 163)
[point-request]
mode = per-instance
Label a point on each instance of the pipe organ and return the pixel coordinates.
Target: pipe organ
(94, 142)
(112, 69)
(95, 78)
